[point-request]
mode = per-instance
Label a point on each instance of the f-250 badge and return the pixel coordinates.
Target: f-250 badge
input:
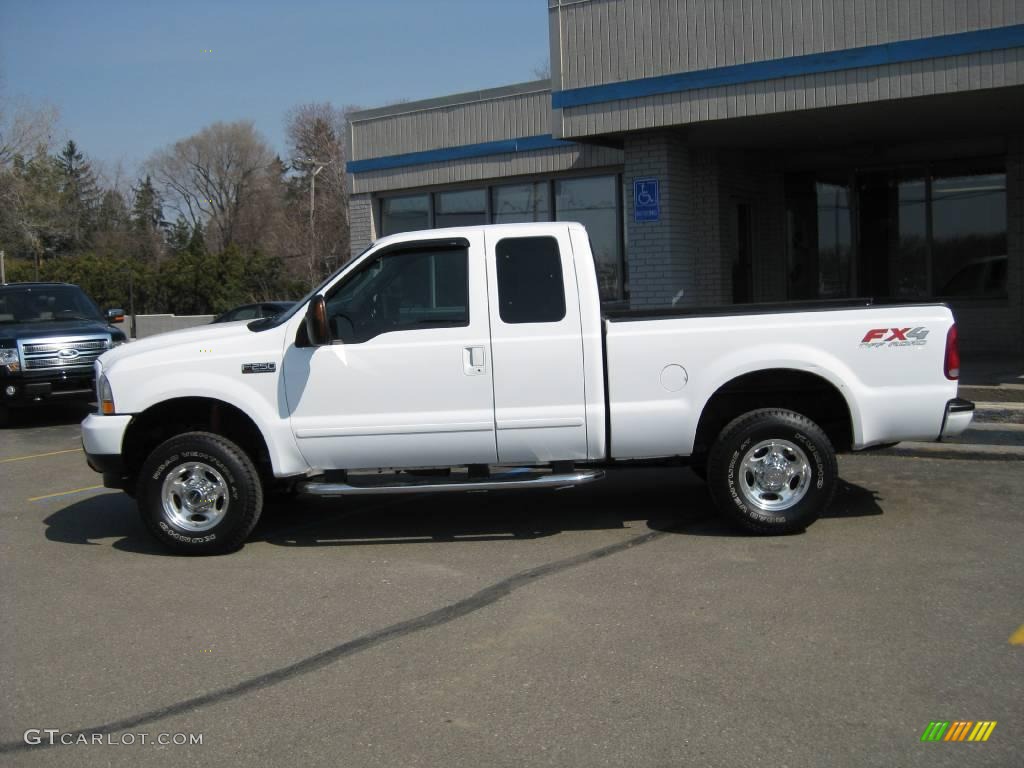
(259, 367)
(895, 337)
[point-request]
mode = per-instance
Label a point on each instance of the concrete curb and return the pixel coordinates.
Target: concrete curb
(988, 426)
(961, 451)
(998, 413)
(1004, 393)
(996, 434)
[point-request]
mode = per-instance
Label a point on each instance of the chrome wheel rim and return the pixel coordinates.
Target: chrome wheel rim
(774, 475)
(195, 496)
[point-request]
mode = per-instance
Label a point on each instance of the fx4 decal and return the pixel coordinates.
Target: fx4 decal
(895, 337)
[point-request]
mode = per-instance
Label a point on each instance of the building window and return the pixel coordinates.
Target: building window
(835, 240)
(969, 254)
(819, 237)
(517, 203)
(460, 208)
(932, 233)
(911, 233)
(594, 202)
(404, 214)
(530, 286)
(908, 264)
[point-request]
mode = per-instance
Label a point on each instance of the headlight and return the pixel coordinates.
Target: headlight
(9, 360)
(104, 395)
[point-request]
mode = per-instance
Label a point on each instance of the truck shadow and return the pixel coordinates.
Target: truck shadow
(669, 500)
(98, 519)
(851, 500)
(49, 414)
(664, 500)
(93, 520)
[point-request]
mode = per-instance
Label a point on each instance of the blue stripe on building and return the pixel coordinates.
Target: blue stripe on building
(504, 146)
(792, 66)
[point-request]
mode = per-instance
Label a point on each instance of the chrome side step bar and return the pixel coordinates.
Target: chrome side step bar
(499, 482)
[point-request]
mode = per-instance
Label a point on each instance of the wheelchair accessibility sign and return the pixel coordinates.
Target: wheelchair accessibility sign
(646, 200)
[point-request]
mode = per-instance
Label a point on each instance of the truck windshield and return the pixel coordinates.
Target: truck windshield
(45, 303)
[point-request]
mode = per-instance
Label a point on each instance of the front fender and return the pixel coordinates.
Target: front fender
(258, 400)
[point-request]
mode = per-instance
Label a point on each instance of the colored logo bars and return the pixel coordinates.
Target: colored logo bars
(958, 730)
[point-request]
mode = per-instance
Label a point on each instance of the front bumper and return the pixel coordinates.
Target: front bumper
(102, 438)
(34, 387)
(958, 416)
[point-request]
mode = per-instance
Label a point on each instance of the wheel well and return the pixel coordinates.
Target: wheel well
(799, 391)
(191, 414)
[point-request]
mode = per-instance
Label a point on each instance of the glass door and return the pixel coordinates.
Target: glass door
(819, 237)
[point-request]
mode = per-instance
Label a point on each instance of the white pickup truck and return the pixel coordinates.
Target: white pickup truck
(478, 358)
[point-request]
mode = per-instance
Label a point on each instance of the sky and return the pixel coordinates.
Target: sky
(132, 77)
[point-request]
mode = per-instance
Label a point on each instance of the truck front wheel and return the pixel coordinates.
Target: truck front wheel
(199, 493)
(772, 471)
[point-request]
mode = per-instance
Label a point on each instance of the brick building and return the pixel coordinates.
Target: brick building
(738, 151)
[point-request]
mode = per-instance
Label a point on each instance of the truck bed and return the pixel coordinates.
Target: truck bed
(665, 365)
(763, 308)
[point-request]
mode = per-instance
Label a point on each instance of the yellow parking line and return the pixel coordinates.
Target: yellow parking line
(1017, 638)
(65, 493)
(40, 455)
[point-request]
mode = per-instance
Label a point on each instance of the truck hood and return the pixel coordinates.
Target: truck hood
(200, 334)
(48, 329)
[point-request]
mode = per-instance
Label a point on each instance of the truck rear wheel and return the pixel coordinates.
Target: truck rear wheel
(772, 471)
(199, 493)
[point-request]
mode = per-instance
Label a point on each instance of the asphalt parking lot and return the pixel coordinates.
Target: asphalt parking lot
(617, 624)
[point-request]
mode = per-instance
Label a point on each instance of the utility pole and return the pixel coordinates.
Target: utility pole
(316, 166)
(131, 302)
(3, 269)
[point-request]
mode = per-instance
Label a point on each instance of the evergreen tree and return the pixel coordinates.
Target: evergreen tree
(147, 210)
(80, 195)
(197, 243)
(178, 236)
(147, 221)
(112, 213)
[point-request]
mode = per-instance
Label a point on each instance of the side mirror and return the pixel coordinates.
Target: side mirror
(317, 328)
(115, 315)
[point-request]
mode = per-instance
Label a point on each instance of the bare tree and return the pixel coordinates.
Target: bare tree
(317, 141)
(30, 212)
(25, 130)
(213, 176)
(263, 222)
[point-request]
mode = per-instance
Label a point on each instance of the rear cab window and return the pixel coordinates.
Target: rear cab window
(530, 285)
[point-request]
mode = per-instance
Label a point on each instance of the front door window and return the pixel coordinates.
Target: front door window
(424, 288)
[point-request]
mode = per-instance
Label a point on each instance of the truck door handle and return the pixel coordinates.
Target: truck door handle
(473, 361)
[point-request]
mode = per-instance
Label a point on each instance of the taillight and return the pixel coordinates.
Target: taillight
(952, 364)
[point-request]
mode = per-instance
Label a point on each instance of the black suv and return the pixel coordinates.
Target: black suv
(50, 335)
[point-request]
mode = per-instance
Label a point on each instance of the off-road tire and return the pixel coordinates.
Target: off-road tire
(244, 493)
(748, 430)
